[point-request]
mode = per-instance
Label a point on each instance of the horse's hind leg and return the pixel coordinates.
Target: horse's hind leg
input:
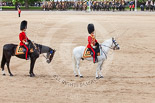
(8, 62)
(3, 72)
(7, 59)
(78, 63)
(75, 70)
(74, 67)
(2, 66)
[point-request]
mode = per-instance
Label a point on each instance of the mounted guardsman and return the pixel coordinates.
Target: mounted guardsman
(33, 50)
(93, 45)
(82, 52)
(23, 37)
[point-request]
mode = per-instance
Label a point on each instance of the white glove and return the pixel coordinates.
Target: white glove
(94, 47)
(26, 43)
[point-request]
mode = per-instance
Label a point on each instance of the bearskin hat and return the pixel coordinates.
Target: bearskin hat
(90, 28)
(23, 25)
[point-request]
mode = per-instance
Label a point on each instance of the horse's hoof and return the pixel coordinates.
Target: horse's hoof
(76, 75)
(101, 77)
(11, 75)
(32, 75)
(3, 74)
(81, 76)
(97, 77)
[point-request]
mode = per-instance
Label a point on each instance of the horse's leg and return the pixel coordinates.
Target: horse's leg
(32, 66)
(78, 63)
(74, 68)
(100, 73)
(98, 69)
(7, 63)
(3, 63)
(3, 72)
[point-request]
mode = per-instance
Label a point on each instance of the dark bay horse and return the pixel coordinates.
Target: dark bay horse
(10, 49)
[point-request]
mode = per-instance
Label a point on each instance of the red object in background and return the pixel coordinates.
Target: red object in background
(19, 11)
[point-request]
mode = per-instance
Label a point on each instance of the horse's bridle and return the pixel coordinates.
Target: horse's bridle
(47, 58)
(113, 42)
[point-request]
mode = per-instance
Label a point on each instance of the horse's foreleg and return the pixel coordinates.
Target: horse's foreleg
(31, 67)
(98, 69)
(100, 73)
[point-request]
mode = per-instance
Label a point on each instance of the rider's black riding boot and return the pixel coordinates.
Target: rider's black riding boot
(96, 60)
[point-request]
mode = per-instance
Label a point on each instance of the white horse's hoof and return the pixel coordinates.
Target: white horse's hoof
(81, 76)
(101, 77)
(3, 74)
(76, 75)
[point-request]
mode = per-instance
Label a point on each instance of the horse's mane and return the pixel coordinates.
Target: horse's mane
(106, 41)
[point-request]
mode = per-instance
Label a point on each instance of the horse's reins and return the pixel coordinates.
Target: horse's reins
(44, 56)
(36, 47)
(39, 50)
(111, 45)
(106, 46)
(103, 52)
(47, 58)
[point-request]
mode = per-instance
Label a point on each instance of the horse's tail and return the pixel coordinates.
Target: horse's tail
(3, 60)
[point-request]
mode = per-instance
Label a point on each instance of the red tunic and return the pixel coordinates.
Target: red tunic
(133, 6)
(22, 36)
(91, 40)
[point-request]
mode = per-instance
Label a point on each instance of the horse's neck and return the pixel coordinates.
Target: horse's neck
(44, 49)
(106, 45)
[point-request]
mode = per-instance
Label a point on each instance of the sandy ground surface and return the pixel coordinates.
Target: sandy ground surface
(129, 74)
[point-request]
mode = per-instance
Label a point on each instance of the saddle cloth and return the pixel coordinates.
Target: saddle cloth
(87, 53)
(21, 50)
